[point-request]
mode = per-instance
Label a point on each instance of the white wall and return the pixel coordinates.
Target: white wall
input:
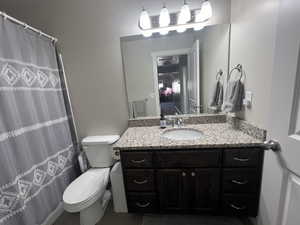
(138, 66)
(252, 45)
(214, 50)
(89, 33)
(253, 33)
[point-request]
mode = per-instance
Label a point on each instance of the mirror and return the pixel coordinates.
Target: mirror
(177, 73)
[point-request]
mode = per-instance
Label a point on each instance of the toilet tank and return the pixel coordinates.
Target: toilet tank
(98, 149)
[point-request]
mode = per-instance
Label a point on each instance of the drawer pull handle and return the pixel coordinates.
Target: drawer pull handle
(239, 182)
(140, 182)
(183, 174)
(138, 161)
(238, 207)
(241, 159)
(142, 205)
(193, 174)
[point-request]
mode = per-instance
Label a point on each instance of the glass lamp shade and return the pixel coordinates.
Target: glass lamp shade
(164, 20)
(205, 13)
(185, 13)
(145, 21)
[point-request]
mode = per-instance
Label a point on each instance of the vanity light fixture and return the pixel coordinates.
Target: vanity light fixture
(164, 20)
(185, 19)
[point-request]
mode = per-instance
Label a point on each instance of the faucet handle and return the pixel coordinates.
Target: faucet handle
(180, 122)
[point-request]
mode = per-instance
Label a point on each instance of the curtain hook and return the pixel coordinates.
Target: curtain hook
(5, 16)
(25, 26)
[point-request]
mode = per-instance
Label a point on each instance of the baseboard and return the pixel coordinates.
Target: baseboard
(54, 215)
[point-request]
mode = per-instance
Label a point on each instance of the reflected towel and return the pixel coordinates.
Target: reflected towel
(235, 94)
(217, 97)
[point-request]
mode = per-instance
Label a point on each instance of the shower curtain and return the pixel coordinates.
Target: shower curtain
(36, 149)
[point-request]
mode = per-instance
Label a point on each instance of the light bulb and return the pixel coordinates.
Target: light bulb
(147, 33)
(164, 20)
(199, 27)
(145, 21)
(164, 32)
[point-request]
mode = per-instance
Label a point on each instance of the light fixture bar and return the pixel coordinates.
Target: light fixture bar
(174, 27)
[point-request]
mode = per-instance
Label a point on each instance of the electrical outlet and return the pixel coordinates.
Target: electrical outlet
(247, 101)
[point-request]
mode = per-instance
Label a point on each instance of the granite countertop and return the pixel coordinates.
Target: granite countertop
(215, 135)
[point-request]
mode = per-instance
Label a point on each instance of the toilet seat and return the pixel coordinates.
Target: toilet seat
(86, 189)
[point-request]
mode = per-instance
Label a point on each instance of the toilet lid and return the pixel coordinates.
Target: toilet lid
(92, 182)
(104, 139)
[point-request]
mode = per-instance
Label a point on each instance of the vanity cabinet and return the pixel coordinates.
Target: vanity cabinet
(194, 190)
(188, 191)
(217, 181)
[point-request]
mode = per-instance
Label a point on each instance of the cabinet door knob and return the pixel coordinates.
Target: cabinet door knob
(183, 174)
(193, 174)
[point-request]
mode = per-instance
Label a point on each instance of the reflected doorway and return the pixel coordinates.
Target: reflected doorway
(172, 77)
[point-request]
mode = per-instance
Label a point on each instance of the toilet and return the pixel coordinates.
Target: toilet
(88, 194)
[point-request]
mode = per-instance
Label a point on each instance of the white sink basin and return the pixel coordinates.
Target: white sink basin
(181, 134)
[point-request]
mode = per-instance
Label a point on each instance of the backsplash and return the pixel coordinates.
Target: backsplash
(188, 119)
(247, 128)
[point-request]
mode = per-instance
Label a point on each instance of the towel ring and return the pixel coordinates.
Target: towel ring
(239, 68)
(219, 74)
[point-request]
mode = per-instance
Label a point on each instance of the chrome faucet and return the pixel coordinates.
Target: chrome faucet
(178, 122)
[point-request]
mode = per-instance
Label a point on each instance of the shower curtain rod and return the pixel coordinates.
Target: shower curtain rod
(26, 26)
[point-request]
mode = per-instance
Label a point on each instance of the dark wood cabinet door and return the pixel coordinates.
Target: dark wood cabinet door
(171, 188)
(204, 190)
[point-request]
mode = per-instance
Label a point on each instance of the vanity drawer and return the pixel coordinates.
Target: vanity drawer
(188, 158)
(142, 203)
(240, 205)
(139, 180)
(136, 159)
(241, 180)
(242, 157)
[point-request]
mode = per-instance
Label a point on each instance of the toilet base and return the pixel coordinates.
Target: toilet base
(94, 213)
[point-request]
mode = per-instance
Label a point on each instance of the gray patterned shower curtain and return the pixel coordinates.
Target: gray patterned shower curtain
(36, 148)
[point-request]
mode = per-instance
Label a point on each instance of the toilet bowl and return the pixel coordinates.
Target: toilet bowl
(88, 194)
(86, 189)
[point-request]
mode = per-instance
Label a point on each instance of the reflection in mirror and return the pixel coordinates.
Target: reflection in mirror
(175, 74)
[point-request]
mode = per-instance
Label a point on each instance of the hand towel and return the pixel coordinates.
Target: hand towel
(235, 93)
(217, 97)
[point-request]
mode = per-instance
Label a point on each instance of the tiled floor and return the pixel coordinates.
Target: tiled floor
(111, 218)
